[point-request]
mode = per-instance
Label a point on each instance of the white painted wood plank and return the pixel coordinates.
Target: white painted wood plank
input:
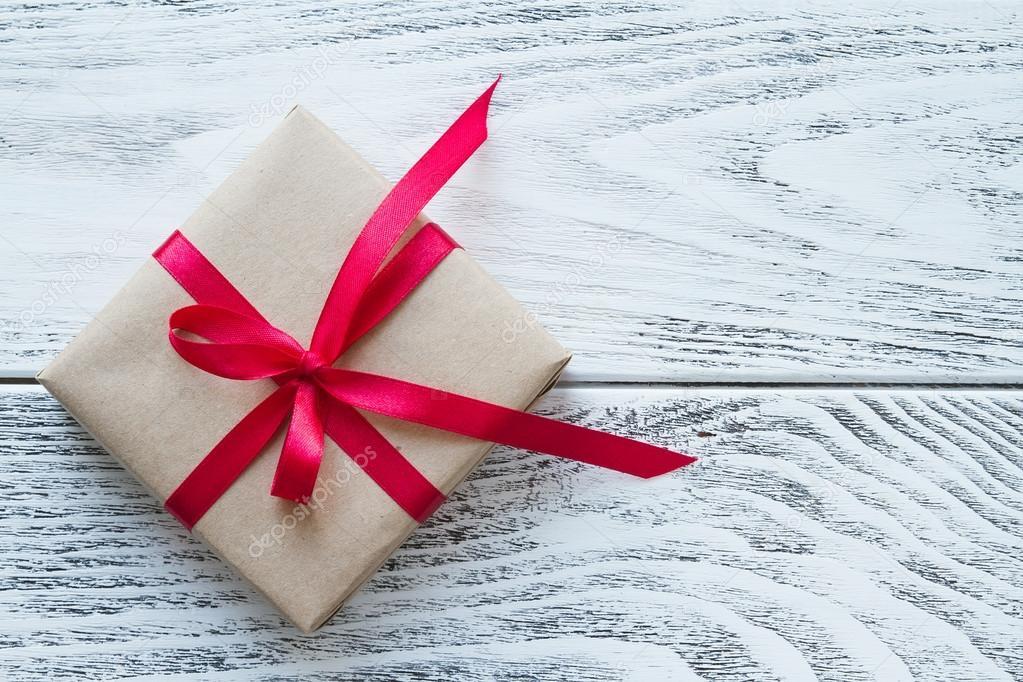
(829, 535)
(717, 191)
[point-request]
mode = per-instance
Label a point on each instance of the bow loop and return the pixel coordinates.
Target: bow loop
(236, 346)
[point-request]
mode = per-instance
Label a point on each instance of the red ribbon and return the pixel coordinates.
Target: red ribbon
(320, 399)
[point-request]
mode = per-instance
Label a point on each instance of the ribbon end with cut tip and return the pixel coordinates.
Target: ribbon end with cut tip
(677, 461)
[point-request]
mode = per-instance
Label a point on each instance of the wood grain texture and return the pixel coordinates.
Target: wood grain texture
(774, 191)
(823, 535)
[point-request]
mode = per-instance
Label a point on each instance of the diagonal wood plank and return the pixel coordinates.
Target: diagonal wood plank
(775, 191)
(830, 535)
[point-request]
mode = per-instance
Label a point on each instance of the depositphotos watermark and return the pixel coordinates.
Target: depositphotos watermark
(306, 76)
(323, 491)
(74, 272)
(576, 277)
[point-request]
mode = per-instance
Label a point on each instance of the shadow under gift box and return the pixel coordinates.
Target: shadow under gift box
(278, 228)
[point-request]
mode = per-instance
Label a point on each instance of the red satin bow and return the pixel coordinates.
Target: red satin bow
(242, 344)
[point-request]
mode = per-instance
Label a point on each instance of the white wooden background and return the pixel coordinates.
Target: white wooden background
(736, 214)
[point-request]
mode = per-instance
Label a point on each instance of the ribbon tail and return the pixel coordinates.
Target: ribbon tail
(302, 453)
(229, 458)
(486, 421)
(388, 468)
(390, 220)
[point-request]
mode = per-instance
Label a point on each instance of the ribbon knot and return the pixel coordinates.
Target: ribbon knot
(308, 364)
(237, 342)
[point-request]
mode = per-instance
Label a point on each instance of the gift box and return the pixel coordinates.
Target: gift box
(278, 228)
(392, 376)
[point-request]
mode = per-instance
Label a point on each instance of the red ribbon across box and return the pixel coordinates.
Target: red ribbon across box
(239, 343)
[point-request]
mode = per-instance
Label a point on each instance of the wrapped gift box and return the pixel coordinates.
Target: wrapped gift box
(278, 228)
